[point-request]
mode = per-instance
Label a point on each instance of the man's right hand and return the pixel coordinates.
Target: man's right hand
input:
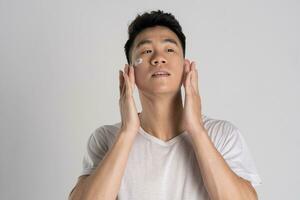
(129, 115)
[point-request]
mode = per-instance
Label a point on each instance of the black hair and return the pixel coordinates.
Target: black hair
(154, 18)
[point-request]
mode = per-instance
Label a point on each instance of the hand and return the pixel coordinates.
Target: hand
(129, 115)
(192, 113)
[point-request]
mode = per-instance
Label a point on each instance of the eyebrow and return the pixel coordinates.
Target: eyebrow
(147, 41)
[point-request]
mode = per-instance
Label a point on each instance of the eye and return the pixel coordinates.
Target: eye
(147, 51)
(170, 50)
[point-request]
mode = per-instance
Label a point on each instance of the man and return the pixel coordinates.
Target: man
(169, 150)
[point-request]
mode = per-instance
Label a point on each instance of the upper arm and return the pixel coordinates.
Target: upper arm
(78, 188)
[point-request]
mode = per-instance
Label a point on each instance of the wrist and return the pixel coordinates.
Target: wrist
(198, 129)
(128, 132)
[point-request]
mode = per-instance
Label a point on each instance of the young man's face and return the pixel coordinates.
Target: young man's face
(160, 49)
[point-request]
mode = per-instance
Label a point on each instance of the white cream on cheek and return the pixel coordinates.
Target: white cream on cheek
(138, 61)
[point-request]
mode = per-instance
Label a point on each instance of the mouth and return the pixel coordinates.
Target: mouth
(160, 74)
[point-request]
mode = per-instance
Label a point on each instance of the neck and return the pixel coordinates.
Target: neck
(162, 116)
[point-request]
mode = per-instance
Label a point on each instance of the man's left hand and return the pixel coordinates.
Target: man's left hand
(192, 113)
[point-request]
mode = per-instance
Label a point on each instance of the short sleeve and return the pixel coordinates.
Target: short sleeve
(238, 156)
(96, 148)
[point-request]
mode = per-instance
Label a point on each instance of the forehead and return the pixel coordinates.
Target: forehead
(159, 33)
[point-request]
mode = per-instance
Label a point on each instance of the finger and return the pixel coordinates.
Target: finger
(128, 72)
(123, 82)
(187, 84)
(127, 84)
(123, 86)
(120, 81)
(126, 69)
(197, 79)
(186, 69)
(194, 81)
(188, 65)
(131, 76)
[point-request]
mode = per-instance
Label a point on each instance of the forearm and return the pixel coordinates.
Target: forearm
(104, 183)
(219, 180)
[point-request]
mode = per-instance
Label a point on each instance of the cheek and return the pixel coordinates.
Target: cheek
(180, 72)
(179, 68)
(139, 75)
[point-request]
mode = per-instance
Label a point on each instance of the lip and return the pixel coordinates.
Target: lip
(164, 71)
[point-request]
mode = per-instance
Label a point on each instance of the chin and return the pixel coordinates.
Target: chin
(160, 91)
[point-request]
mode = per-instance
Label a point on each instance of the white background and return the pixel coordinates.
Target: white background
(59, 63)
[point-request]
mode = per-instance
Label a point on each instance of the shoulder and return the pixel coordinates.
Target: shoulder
(107, 129)
(218, 126)
(220, 131)
(106, 133)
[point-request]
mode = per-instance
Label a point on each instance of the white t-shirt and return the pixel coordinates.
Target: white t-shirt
(168, 170)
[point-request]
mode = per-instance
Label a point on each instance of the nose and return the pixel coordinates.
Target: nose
(158, 60)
